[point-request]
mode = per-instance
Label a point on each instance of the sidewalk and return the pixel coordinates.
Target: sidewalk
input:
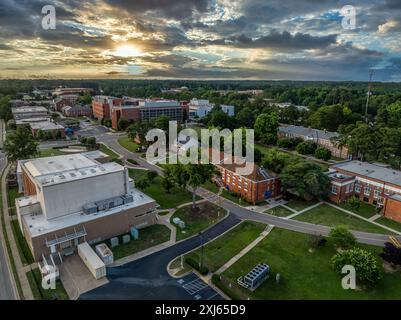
(244, 251)
(26, 288)
(302, 211)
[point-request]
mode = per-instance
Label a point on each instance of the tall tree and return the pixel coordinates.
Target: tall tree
(19, 145)
(266, 127)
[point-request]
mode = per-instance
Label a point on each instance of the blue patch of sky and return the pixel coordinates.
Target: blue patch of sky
(92, 31)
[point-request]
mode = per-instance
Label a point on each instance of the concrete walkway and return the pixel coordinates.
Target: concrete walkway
(26, 288)
(244, 251)
(363, 218)
(375, 217)
(302, 211)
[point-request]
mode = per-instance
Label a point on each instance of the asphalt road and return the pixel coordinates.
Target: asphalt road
(6, 286)
(147, 278)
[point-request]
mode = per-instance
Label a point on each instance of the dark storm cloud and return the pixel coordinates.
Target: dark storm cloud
(280, 41)
(177, 9)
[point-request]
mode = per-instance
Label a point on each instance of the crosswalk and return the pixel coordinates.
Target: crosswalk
(194, 286)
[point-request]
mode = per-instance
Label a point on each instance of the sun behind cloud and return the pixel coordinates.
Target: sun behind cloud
(126, 51)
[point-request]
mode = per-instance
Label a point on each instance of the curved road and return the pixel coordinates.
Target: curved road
(242, 213)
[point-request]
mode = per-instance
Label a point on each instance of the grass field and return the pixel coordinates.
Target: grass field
(128, 144)
(197, 220)
(299, 204)
(148, 237)
(366, 210)
(173, 199)
(304, 275)
(211, 187)
(279, 211)
(105, 149)
(35, 280)
(329, 216)
(221, 250)
(50, 153)
(389, 223)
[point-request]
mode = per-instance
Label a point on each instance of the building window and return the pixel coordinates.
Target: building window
(334, 189)
(367, 191)
(348, 188)
(357, 187)
(377, 193)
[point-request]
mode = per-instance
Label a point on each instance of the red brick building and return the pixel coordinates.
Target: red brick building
(373, 183)
(102, 106)
(64, 101)
(255, 187)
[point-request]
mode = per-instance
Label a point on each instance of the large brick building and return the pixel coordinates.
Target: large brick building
(373, 183)
(102, 106)
(71, 199)
(145, 110)
(322, 138)
(255, 187)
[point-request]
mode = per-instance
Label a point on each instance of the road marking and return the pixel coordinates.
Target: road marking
(194, 286)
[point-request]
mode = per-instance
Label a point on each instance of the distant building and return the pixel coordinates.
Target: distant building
(102, 106)
(56, 130)
(255, 187)
(67, 91)
(373, 183)
(77, 111)
(65, 100)
(145, 110)
(199, 108)
(321, 137)
(71, 199)
(175, 90)
(26, 112)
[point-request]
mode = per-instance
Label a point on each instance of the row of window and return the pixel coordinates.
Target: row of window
(366, 190)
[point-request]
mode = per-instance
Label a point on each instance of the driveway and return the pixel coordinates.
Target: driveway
(147, 278)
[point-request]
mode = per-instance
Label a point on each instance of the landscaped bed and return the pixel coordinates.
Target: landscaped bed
(279, 211)
(304, 274)
(329, 216)
(196, 220)
(148, 237)
(35, 282)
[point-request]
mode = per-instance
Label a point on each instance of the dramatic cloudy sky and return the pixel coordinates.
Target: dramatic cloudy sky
(203, 39)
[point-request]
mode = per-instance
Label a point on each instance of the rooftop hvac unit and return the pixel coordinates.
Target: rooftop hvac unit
(128, 198)
(90, 208)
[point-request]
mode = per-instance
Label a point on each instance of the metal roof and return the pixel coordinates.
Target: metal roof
(308, 132)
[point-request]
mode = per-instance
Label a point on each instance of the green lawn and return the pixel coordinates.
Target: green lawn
(50, 153)
(300, 204)
(279, 211)
(211, 186)
(204, 216)
(304, 275)
(173, 199)
(366, 210)
(148, 237)
(105, 149)
(234, 198)
(35, 281)
(128, 144)
(219, 251)
(389, 223)
(329, 216)
(23, 248)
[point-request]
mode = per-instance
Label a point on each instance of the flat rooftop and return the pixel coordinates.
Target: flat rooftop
(371, 170)
(59, 169)
(38, 225)
(28, 109)
(45, 125)
(308, 132)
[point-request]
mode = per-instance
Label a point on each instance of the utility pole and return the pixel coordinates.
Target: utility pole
(371, 73)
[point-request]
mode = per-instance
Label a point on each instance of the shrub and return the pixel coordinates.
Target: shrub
(342, 237)
(306, 147)
(323, 153)
(353, 203)
(365, 264)
(195, 264)
(289, 143)
(151, 175)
